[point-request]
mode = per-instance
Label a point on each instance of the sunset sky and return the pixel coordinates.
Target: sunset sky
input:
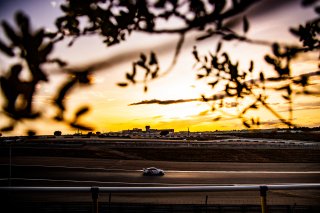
(110, 104)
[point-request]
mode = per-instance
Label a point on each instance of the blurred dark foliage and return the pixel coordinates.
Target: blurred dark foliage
(57, 133)
(115, 20)
(309, 34)
(32, 48)
(80, 78)
(240, 84)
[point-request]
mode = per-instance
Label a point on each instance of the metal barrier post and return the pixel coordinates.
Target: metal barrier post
(109, 201)
(206, 203)
(10, 163)
(95, 196)
(263, 198)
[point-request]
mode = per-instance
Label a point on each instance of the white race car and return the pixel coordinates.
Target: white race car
(153, 171)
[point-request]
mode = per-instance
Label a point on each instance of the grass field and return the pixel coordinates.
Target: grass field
(179, 154)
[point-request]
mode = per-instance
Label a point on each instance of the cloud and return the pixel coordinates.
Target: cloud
(300, 106)
(167, 102)
(274, 123)
(203, 113)
(307, 106)
(164, 102)
(157, 117)
(270, 122)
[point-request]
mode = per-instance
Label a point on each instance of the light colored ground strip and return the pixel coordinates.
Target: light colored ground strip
(171, 171)
(248, 172)
(71, 167)
(157, 184)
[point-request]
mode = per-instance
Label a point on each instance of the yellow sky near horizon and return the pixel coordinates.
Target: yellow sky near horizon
(110, 110)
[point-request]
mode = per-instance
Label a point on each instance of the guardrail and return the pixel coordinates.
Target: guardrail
(95, 190)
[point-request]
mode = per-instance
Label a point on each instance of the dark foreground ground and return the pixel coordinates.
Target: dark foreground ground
(232, 157)
(165, 151)
(152, 208)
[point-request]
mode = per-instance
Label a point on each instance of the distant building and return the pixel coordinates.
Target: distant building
(133, 131)
(148, 133)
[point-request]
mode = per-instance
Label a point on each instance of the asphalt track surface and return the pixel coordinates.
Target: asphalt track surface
(42, 175)
(86, 172)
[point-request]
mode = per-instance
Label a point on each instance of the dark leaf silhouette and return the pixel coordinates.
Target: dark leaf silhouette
(31, 133)
(253, 122)
(59, 117)
(15, 39)
(262, 79)
(160, 3)
(246, 124)
(269, 59)
(200, 76)
(253, 106)
(251, 66)
(289, 90)
(154, 74)
(153, 59)
(286, 97)
(82, 111)
(276, 50)
(122, 84)
(219, 5)
(60, 62)
(130, 77)
(213, 84)
(217, 118)
(303, 81)
(204, 98)
(218, 47)
(23, 21)
(7, 128)
(44, 52)
(59, 100)
(143, 58)
(245, 24)
(81, 127)
(308, 2)
(229, 37)
(285, 87)
(195, 54)
(4, 48)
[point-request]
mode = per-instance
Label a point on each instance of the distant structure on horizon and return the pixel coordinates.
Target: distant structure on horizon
(136, 132)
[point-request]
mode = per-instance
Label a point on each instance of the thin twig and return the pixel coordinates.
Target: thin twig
(176, 55)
